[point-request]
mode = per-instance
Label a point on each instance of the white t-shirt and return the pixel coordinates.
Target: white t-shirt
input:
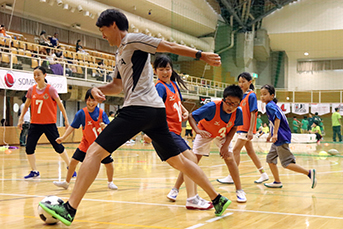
(133, 67)
(27, 116)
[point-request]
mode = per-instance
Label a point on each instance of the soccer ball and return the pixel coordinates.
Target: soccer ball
(333, 152)
(46, 217)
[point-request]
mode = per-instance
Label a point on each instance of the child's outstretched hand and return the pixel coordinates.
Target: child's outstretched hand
(59, 140)
(102, 125)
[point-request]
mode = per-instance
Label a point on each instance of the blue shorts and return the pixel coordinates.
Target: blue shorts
(180, 142)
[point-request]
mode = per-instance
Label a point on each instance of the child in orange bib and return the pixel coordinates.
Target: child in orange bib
(248, 129)
(93, 121)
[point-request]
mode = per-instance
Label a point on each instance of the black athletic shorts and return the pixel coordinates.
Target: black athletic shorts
(80, 156)
(36, 131)
(133, 119)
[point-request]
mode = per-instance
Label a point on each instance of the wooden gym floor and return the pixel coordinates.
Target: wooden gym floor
(144, 181)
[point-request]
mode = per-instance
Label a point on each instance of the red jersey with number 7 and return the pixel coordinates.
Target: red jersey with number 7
(217, 127)
(173, 108)
(43, 107)
(91, 131)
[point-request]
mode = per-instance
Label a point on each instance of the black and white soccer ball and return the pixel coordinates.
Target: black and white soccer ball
(46, 217)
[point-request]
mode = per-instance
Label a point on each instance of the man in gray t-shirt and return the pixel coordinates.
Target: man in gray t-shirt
(143, 110)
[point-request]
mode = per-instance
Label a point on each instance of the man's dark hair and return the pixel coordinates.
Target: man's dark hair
(336, 109)
(234, 91)
(316, 113)
(109, 16)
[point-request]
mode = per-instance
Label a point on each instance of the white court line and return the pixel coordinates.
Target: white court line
(156, 178)
(219, 217)
(285, 213)
(179, 206)
(195, 226)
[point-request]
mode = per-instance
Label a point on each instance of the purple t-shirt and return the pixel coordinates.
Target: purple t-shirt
(284, 133)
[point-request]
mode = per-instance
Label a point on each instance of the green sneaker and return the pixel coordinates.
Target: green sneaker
(58, 211)
(221, 206)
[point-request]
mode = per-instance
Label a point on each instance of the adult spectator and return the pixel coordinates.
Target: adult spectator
(43, 40)
(3, 32)
(304, 125)
(336, 125)
(26, 124)
(79, 47)
(55, 67)
(296, 124)
(310, 121)
(54, 40)
(258, 122)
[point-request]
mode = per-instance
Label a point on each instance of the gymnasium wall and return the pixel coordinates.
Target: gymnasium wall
(321, 22)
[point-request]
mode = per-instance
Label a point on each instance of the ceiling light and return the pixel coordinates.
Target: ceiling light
(72, 9)
(42, 0)
(66, 7)
(59, 2)
(306, 53)
(79, 8)
(86, 13)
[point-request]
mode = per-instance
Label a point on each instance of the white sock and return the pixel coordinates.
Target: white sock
(191, 198)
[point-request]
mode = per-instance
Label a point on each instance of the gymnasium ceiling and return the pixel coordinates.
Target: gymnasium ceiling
(245, 13)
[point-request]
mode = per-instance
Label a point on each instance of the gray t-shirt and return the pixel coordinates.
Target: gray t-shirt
(133, 67)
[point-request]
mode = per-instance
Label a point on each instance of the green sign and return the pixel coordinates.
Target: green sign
(254, 75)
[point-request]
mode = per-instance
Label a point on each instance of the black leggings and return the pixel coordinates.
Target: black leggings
(36, 131)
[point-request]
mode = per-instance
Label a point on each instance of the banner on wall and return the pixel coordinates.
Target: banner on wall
(285, 107)
(204, 99)
(300, 108)
(261, 106)
(337, 105)
(22, 81)
(321, 108)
